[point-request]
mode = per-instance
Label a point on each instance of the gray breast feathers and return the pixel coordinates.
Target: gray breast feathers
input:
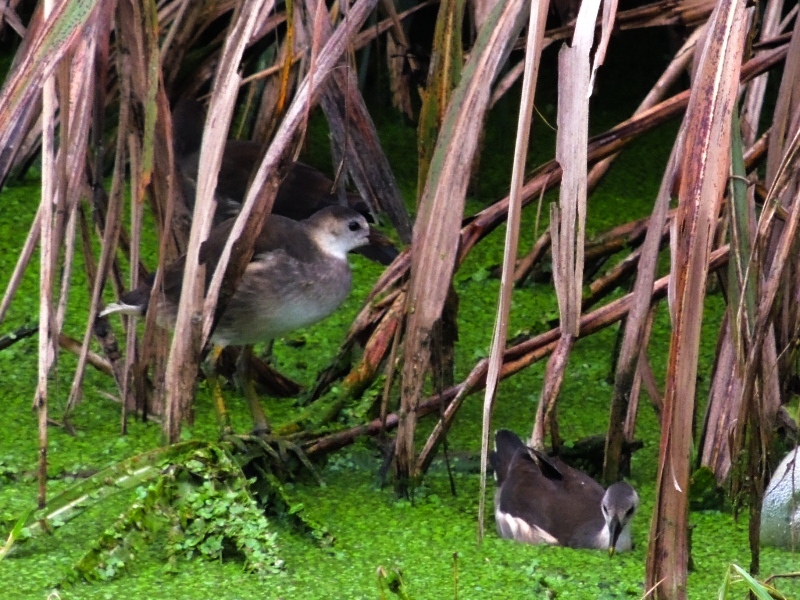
(280, 293)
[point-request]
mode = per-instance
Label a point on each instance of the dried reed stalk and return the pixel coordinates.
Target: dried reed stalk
(46, 271)
(704, 172)
(568, 219)
(533, 55)
(436, 231)
(634, 340)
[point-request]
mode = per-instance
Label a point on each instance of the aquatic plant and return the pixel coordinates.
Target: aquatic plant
(736, 215)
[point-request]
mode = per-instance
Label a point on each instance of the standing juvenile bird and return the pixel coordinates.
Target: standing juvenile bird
(542, 500)
(297, 276)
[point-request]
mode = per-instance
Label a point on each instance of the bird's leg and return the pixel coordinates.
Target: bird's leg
(306, 462)
(260, 423)
(262, 432)
(212, 377)
(267, 355)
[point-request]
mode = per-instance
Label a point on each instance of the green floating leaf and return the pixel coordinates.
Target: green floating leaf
(18, 532)
(758, 589)
(204, 505)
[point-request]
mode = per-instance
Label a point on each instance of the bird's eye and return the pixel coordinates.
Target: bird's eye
(629, 512)
(355, 225)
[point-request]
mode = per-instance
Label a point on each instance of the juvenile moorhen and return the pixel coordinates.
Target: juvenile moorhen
(298, 275)
(542, 500)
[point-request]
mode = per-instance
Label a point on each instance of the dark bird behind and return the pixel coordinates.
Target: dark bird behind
(303, 191)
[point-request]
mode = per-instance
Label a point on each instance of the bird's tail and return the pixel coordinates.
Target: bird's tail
(506, 443)
(120, 308)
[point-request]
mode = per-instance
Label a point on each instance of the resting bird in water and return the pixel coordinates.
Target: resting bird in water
(298, 275)
(542, 500)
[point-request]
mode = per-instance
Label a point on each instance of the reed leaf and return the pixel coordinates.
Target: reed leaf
(533, 54)
(568, 219)
(704, 171)
(436, 231)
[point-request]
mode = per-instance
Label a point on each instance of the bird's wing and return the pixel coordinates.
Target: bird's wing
(551, 496)
(527, 494)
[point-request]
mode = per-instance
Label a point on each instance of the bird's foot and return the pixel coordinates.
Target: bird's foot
(278, 449)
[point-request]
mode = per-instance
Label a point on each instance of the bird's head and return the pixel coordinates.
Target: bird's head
(338, 229)
(619, 506)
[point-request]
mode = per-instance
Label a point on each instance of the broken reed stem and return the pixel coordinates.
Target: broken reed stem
(46, 266)
(614, 277)
(18, 335)
(93, 359)
(623, 236)
(109, 244)
(528, 263)
(22, 263)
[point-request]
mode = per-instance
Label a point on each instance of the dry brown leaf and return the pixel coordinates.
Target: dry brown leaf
(436, 231)
(533, 54)
(568, 219)
(704, 173)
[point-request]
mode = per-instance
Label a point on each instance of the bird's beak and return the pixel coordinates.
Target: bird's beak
(378, 247)
(378, 238)
(614, 529)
